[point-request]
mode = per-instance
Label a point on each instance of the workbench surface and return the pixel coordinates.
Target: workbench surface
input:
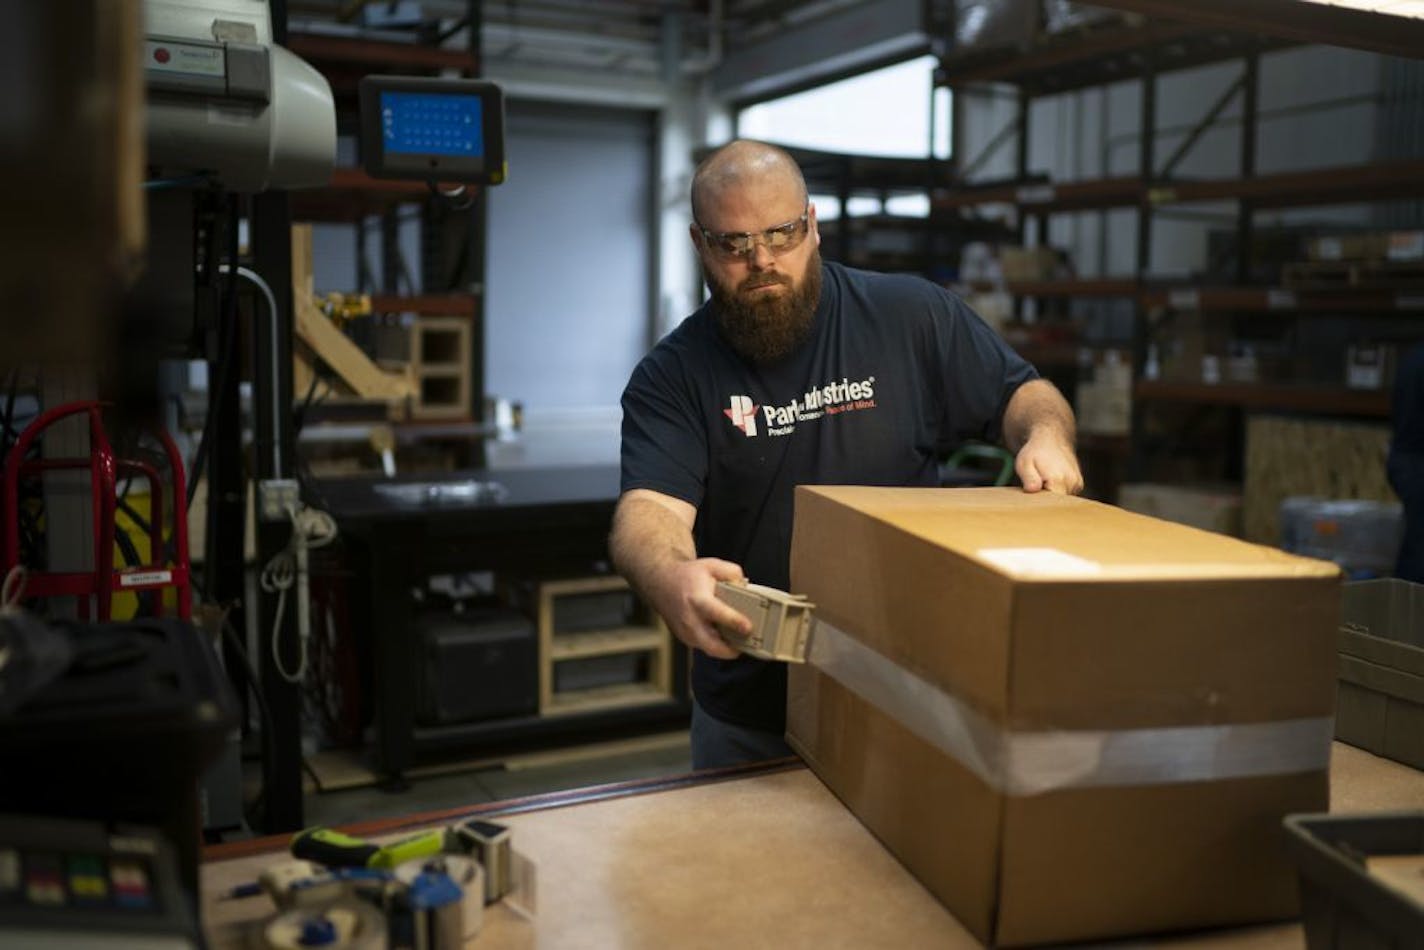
(735, 859)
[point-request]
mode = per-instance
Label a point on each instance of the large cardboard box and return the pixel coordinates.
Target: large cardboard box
(1028, 263)
(1085, 722)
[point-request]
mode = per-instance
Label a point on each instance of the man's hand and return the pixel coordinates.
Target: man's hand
(1047, 462)
(652, 547)
(1039, 427)
(685, 594)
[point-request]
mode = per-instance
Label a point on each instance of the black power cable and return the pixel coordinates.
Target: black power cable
(227, 350)
(301, 414)
(264, 714)
(12, 435)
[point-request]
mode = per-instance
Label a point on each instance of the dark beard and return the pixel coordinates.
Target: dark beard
(766, 330)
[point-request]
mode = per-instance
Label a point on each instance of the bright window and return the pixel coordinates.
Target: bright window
(885, 112)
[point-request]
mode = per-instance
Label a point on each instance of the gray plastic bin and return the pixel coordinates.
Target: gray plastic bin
(1343, 906)
(1381, 702)
(1363, 537)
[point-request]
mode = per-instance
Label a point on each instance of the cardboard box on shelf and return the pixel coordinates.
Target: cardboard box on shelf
(1369, 365)
(1068, 721)
(1028, 263)
(1103, 409)
(1366, 245)
(1190, 347)
(1405, 246)
(1103, 404)
(1209, 507)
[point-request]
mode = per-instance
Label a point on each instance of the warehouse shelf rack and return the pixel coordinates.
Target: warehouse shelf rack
(1342, 185)
(915, 244)
(1209, 298)
(1325, 400)
(1098, 55)
(334, 53)
(352, 196)
(1143, 52)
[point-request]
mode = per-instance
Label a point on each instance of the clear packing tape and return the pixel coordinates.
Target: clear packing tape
(1022, 763)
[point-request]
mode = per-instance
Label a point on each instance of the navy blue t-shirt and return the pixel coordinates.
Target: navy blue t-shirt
(896, 372)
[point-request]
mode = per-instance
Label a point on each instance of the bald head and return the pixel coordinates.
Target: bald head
(744, 163)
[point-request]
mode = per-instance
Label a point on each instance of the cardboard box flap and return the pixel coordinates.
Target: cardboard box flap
(1057, 537)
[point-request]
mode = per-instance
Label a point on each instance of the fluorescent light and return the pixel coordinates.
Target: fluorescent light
(1405, 8)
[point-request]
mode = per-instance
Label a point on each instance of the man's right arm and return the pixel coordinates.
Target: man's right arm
(652, 548)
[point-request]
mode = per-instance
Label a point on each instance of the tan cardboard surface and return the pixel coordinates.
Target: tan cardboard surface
(1103, 861)
(919, 564)
(1162, 653)
(1121, 544)
(902, 794)
(1070, 865)
(1047, 614)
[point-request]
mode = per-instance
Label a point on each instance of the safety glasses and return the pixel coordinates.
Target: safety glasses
(778, 240)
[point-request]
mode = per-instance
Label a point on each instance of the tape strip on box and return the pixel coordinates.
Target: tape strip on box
(1032, 763)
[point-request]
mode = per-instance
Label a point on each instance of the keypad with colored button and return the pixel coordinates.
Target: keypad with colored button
(53, 880)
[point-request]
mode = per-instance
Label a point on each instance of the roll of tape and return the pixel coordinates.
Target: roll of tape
(467, 875)
(488, 843)
(342, 925)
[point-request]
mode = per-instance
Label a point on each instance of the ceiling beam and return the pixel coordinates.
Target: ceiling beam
(857, 36)
(1300, 20)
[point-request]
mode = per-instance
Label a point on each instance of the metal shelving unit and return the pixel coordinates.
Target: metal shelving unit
(1143, 53)
(1326, 400)
(352, 197)
(914, 244)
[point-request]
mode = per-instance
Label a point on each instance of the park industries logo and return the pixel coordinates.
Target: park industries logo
(743, 414)
(829, 400)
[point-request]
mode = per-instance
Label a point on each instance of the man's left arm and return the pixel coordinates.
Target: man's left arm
(1039, 429)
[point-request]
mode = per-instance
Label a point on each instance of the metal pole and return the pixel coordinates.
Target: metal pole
(475, 262)
(1198, 130)
(1245, 210)
(271, 239)
(1137, 461)
(927, 241)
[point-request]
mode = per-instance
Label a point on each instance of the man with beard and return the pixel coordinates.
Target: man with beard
(796, 372)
